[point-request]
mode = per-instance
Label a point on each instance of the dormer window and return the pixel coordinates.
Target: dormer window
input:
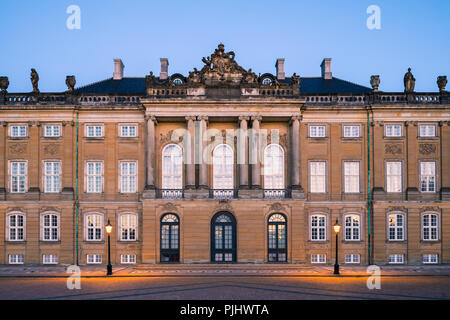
(267, 81)
(177, 81)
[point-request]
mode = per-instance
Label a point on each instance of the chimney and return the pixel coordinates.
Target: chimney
(326, 69)
(118, 69)
(164, 69)
(279, 65)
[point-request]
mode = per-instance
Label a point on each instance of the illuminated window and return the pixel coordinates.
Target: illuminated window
(128, 226)
(277, 238)
(94, 227)
(396, 227)
(352, 227)
(170, 238)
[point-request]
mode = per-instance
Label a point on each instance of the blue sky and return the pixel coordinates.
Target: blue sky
(413, 34)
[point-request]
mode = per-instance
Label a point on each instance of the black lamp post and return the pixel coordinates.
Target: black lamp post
(336, 229)
(109, 266)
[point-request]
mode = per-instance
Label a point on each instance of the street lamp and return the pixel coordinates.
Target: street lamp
(108, 228)
(336, 229)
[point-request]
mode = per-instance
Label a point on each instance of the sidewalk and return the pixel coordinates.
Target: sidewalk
(211, 270)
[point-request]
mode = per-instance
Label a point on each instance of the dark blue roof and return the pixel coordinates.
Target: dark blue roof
(316, 85)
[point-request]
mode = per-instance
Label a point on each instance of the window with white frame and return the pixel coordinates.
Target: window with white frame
(318, 227)
(94, 258)
(274, 167)
(15, 259)
(18, 176)
(352, 227)
(127, 258)
(318, 258)
(128, 131)
(430, 259)
(317, 176)
(352, 131)
(52, 131)
(394, 176)
(172, 167)
(427, 131)
(94, 177)
(223, 163)
(317, 131)
(16, 227)
(352, 258)
(428, 176)
(396, 227)
(351, 177)
(18, 131)
(52, 176)
(128, 226)
(396, 259)
(94, 227)
(50, 227)
(49, 259)
(94, 131)
(128, 176)
(430, 225)
(393, 130)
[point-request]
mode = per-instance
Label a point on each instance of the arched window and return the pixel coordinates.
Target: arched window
(128, 227)
(352, 227)
(396, 227)
(172, 164)
(94, 227)
(16, 227)
(267, 81)
(50, 227)
(318, 227)
(430, 224)
(170, 238)
(223, 171)
(276, 238)
(274, 170)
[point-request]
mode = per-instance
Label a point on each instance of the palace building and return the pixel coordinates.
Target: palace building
(225, 166)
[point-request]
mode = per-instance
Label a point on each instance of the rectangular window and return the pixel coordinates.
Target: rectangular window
(351, 177)
(50, 259)
(393, 130)
(94, 177)
(352, 132)
(52, 131)
(18, 176)
(16, 227)
(352, 228)
(128, 131)
(317, 131)
(430, 259)
(394, 176)
(430, 227)
(396, 259)
(318, 227)
(128, 258)
(428, 176)
(396, 227)
(427, 131)
(94, 227)
(50, 227)
(318, 258)
(318, 177)
(15, 259)
(128, 225)
(94, 258)
(52, 176)
(94, 131)
(128, 177)
(352, 258)
(18, 131)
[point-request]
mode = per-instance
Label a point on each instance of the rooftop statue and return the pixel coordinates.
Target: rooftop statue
(4, 84)
(295, 79)
(70, 83)
(150, 80)
(34, 80)
(410, 81)
(375, 82)
(442, 83)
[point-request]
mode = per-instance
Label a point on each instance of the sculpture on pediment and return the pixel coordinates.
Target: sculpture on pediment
(409, 81)
(4, 84)
(70, 83)
(250, 77)
(295, 80)
(375, 83)
(442, 83)
(150, 80)
(194, 76)
(34, 80)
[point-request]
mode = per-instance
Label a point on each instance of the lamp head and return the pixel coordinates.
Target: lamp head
(336, 227)
(108, 227)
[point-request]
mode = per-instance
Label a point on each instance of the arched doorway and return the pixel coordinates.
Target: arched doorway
(276, 238)
(170, 238)
(223, 238)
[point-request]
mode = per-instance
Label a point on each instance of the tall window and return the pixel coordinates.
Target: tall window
(18, 176)
(50, 227)
(223, 162)
(16, 227)
(273, 167)
(128, 226)
(396, 227)
(352, 227)
(128, 177)
(428, 176)
(52, 131)
(318, 227)
(277, 238)
(430, 227)
(172, 167)
(94, 227)
(427, 131)
(95, 177)
(394, 176)
(170, 238)
(52, 176)
(317, 176)
(351, 177)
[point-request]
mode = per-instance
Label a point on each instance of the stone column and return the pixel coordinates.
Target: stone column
(295, 151)
(242, 152)
(203, 172)
(149, 192)
(34, 168)
(3, 162)
(255, 150)
(411, 161)
(189, 157)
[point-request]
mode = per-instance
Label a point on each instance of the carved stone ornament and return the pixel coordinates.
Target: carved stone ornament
(282, 138)
(400, 209)
(430, 209)
(277, 207)
(70, 83)
(169, 137)
(170, 207)
(409, 81)
(393, 149)
(427, 148)
(223, 205)
(375, 82)
(34, 80)
(18, 148)
(442, 83)
(51, 149)
(4, 84)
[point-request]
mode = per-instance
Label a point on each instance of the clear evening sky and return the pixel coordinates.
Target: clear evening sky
(413, 34)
